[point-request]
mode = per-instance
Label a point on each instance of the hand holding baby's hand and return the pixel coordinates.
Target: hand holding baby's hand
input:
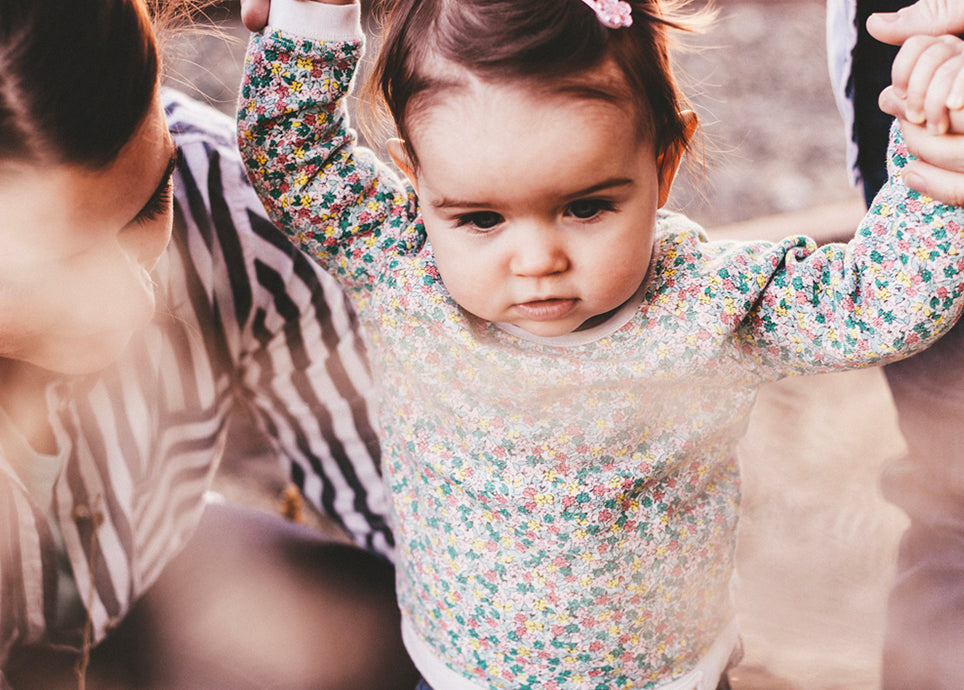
(929, 74)
(927, 96)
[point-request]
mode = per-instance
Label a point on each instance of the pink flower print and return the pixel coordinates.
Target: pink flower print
(614, 14)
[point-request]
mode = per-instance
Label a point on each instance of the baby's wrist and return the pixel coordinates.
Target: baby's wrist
(329, 20)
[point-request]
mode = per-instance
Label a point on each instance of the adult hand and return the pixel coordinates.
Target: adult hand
(932, 17)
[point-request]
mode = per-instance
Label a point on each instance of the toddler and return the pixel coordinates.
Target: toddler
(565, 368)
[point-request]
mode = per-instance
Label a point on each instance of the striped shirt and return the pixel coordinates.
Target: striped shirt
(243, 319)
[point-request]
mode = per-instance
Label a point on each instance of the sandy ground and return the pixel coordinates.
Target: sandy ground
(817, 542)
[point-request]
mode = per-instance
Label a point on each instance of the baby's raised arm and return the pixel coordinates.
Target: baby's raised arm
(330, 196)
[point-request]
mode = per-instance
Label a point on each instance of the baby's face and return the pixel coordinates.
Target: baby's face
(76, 248)
(540, 207)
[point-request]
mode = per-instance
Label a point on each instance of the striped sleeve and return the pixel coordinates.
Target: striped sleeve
(280, 327)
(27, 570)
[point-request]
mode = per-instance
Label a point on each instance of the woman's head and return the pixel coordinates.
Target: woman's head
(76, 78)
(85, 168)
(541, 144)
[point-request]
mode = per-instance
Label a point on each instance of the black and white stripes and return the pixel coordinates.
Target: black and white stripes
(243, 318)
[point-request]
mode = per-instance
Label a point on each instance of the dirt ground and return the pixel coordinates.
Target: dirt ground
(817, 542)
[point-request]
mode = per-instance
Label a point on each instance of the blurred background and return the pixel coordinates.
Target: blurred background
(817, 542)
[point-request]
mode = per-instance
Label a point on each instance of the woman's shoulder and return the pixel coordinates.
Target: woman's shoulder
(188, 119)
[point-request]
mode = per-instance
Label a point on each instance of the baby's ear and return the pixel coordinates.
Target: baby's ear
(669, 160)
(398, 152)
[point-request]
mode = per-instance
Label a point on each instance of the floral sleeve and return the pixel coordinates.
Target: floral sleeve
(331, 197)
(895, 287)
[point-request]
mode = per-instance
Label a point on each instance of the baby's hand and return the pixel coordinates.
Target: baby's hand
(928, 74)
(254, 14)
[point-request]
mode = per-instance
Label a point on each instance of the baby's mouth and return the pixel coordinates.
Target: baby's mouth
(549, 309)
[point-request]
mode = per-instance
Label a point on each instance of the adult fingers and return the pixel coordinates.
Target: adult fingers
(932, 17)
(938, 183)
(942, 150)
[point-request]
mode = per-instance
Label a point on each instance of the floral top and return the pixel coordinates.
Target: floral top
(566, 515)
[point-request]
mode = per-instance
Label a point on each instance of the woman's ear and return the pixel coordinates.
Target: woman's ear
(669, 160)
(396, 149)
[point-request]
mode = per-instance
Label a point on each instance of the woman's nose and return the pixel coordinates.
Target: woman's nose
(539, 251)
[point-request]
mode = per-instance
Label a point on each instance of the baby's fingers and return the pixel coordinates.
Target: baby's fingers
(925, 72)
(254, 14)
(944, 94)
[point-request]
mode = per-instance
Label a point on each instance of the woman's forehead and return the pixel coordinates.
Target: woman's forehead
(62, 207)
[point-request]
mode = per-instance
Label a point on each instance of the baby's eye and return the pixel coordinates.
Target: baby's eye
(481, 220)
(586, 209)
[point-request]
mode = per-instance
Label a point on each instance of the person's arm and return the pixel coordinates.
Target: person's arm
(333, 198)
(279, 327)
(894, 288)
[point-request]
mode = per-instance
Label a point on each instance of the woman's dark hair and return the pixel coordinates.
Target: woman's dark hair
(539, 41)
(76, 78)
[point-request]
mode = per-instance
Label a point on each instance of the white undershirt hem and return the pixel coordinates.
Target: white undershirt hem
(705, 676)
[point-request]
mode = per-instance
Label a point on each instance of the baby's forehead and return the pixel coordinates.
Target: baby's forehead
(452, 89)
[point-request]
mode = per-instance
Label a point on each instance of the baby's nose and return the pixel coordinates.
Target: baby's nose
(539, 251)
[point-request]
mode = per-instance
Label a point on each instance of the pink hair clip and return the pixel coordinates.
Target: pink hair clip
(612, 13)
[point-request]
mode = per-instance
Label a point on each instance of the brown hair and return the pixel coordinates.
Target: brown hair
(546, 42)
(76, 78)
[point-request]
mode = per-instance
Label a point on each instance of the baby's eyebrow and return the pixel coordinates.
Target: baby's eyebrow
(587, 191)
(459, 203)
(152, 203)
(605, 184)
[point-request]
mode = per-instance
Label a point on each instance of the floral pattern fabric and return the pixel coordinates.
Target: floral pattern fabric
(566, 516)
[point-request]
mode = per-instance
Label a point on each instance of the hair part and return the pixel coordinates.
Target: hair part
(76, 78)
(551, 44)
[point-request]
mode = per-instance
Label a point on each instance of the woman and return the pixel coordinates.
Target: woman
(144, 297)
